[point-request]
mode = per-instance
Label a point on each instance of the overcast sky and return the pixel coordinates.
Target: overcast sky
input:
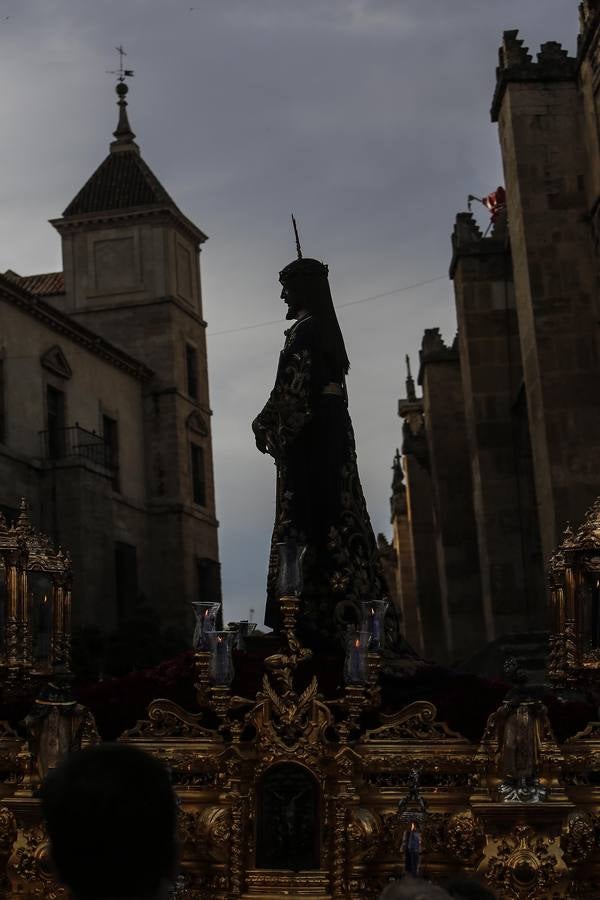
(369, 119)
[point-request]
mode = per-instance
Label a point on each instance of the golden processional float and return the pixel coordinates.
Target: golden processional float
(291, 794)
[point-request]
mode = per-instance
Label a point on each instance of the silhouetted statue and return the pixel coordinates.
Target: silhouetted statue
(305, 426)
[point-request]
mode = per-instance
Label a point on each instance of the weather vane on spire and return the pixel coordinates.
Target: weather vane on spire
(122, 73)
(124, 135)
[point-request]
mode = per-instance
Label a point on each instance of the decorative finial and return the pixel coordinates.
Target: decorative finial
(298, 247)
(123, 134)
(397, 483)
(23, 522)
(411, 394)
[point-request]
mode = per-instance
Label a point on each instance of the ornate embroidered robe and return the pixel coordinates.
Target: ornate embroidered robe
(307, 429)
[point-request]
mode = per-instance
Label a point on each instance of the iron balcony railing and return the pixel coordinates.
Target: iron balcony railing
(75, 441)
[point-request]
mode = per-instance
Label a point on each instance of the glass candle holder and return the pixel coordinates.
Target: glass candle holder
(374, 621)
(221, 662)
(291, 555)
(356, 665)
(241, 629)
(206, 622)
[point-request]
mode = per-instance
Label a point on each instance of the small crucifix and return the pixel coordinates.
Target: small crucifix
(121, 72)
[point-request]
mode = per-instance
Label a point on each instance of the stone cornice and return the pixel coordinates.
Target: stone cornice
(168, 507)
(194, 404)
(406, 406)
(89, 221)
(155, 301)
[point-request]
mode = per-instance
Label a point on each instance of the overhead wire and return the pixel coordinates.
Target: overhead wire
(408, 287)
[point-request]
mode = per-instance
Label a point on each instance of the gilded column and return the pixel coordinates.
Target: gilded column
(12, 559)
(58, 624)
(338, 849)
(236, 862)
(24, 636)
(61, 624)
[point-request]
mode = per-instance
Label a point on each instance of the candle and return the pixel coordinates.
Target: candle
(206, 622)
(220, 661)
(44, 632)
(355, 661)
(221, 664)
(355, 669)
(373, 619)
(375, 627)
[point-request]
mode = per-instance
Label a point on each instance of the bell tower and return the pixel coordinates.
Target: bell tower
(131, 263)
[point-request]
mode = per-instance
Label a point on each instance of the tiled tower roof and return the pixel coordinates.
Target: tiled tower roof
(122, 181)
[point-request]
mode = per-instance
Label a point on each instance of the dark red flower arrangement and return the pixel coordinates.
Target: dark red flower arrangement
(118, 703)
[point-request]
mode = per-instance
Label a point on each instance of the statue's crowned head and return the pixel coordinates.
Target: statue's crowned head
(305, 289)
(303, 268)
(304, 284)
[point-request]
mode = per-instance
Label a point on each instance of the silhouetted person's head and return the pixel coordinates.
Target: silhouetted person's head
(410, 888)
(468, 889)
(111, 813)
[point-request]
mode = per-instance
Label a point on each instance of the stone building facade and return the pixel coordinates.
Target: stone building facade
(105, 421)
(516, 415)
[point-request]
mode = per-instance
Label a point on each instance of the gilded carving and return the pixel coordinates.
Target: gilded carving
(524, 864)
(190, 829)
(167, 719)
(579, 840)
(465, 837)
(29, 865)
(189, 768)
(591, 732)
(417, 721)
(434, 830)
(236, 846)
(290, 709)
(215, 826)
(8, 835)
(363, 830)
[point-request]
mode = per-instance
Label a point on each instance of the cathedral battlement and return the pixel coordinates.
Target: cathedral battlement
(469, 240)
(435, 349)
(515, 64)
